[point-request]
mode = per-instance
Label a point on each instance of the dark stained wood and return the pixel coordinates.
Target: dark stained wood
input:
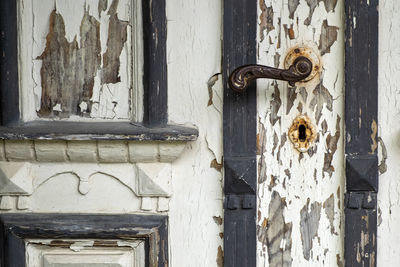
(68, 69)
(239, 45)
(64, 130)
(9, 95)
(17, 227)
(361, 110)
(155, 63)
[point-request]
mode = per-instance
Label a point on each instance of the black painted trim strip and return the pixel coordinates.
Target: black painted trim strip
(155, 62)
(239, 48)
(9, 94)
(361, 111)
(17, 227)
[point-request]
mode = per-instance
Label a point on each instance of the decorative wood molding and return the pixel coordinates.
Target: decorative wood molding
(17, 228)
(89, 151)
(150, 183)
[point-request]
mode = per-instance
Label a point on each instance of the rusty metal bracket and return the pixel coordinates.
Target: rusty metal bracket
(243, 75)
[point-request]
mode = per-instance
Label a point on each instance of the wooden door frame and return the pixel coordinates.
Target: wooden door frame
(361, 113)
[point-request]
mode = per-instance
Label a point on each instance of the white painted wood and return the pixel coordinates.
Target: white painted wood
(82, 253)
(389, 128)
(119, 101)
(311, 187)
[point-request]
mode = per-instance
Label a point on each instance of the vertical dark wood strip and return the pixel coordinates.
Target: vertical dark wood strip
(239, 45)
(9, 89)
(361, 109)
(155, 83)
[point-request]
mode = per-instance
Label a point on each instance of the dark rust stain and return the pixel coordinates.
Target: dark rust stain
(339, 261)
(117, 36)
(309, 223)
(275, 103)
(321, 97)
(221, 235)
(68, 71)
(218, 220)
(214, 164)
(291, 97)
(329, 207)
(61, 243)
(338, 196)
(289, 32)
(331, 145)
(293, 4)
(105, 243)
(327, 38)
(220, 257)
(266, 19)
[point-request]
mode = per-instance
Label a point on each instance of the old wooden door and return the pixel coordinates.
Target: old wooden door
(290, 165)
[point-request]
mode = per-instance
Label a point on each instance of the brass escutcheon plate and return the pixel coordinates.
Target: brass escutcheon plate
(303, 51)
(302, 133)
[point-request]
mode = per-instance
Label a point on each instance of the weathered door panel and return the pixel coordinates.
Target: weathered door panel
(300, 194)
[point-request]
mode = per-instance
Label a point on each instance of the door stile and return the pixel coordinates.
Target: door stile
(361, 111)
(239, 124)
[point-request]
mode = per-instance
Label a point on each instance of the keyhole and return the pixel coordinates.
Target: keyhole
(302, 132)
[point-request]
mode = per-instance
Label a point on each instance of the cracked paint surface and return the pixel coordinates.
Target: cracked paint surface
(80, 65)
(317, 175)
(388, 140)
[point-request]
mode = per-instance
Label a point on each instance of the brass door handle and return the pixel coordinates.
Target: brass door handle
(243, 75)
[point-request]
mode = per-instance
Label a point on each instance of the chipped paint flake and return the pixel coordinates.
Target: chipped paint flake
(321, 96)
(328, 37)
(266, 19)
(293, 4)
(278, 234)
(331, 144)
(329, 207)
(309, 224)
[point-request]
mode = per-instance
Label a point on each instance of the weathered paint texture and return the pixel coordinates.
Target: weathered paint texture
(68, 69)
(309, 223)
(76, 62)
(276, 234)
(388, 128)
(117, 36)
(315, 176)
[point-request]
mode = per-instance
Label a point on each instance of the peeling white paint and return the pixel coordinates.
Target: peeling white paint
(388, 130)
(110, 101)
(298, 176)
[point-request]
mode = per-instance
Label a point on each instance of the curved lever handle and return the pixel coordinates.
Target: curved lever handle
(242, 76)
